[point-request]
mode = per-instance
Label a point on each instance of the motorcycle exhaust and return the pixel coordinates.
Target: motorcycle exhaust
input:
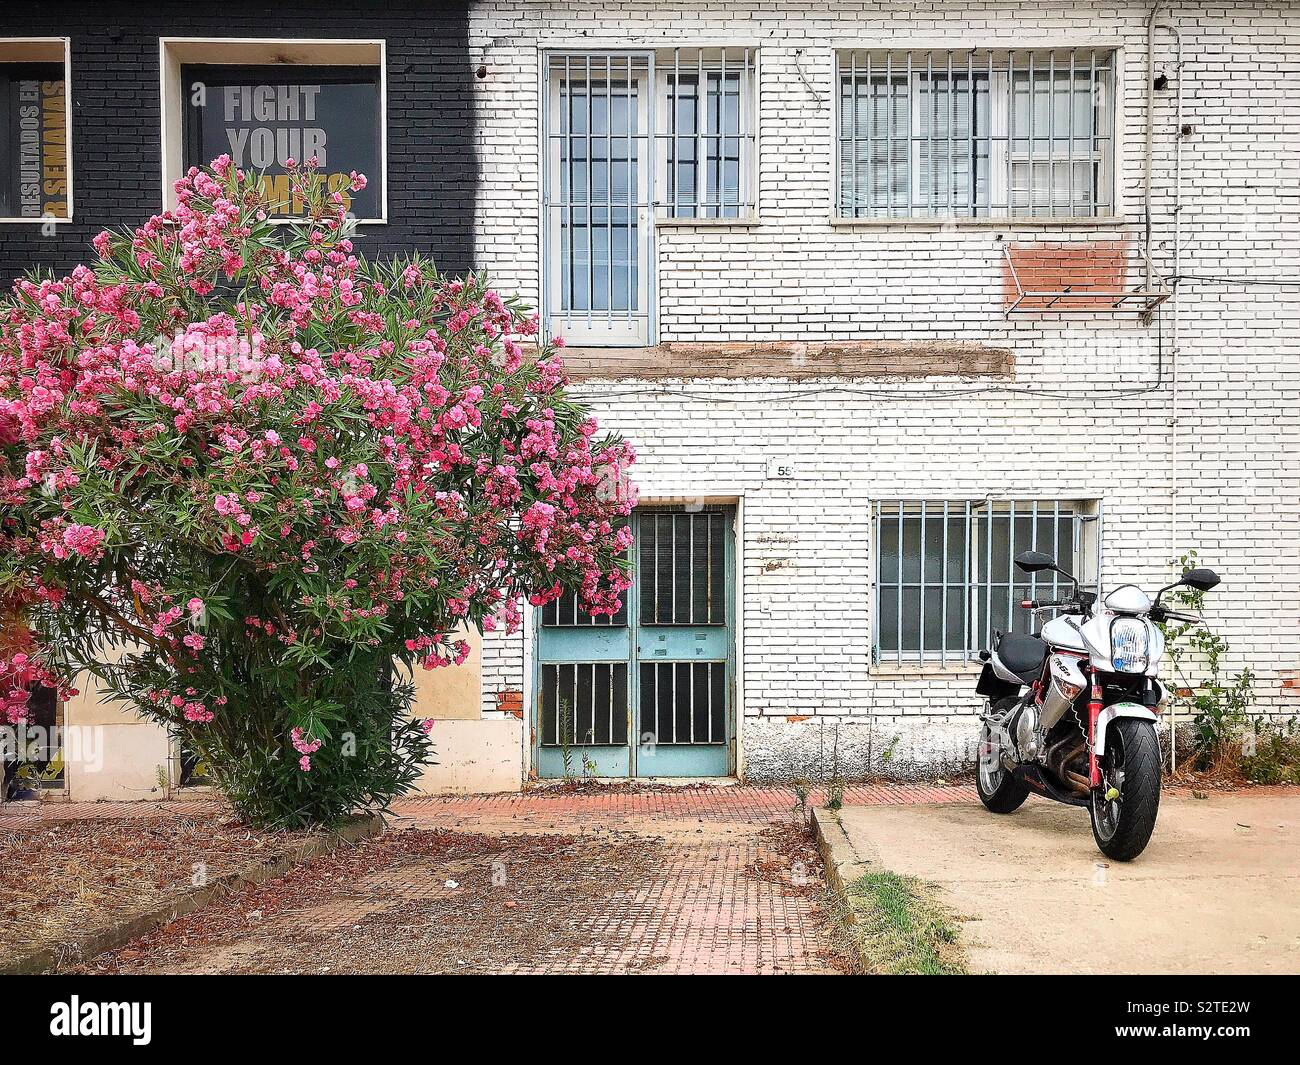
(1076, 782)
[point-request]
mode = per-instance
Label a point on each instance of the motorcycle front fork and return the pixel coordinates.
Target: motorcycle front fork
(1094, 712)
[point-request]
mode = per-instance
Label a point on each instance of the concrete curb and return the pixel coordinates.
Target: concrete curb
(87, 946)
(843, 866)
(844, 862)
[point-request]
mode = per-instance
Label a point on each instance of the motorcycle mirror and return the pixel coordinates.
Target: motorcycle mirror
(1034, 562)
(1201, 579)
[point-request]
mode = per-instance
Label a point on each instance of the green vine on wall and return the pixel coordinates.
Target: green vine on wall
(1227, 739)
(1219, 705)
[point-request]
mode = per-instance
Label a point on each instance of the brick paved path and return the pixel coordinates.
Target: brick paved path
(710, 801)
(724, 803)
(689, 880)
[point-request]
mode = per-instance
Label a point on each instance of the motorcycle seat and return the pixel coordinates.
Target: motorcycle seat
(1023, 655)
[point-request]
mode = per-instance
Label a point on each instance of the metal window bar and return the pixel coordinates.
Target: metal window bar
(899, 597)
(630, 126)
(1011, 577)
(988, 575)
(945, 578)
(589, 121)
(986, 133)
(706, 133)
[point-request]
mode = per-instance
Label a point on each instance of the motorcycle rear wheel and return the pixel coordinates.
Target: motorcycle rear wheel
(1123, 826)
(998, 789)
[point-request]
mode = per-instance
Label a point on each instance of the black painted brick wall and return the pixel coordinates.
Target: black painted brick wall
(116, 137)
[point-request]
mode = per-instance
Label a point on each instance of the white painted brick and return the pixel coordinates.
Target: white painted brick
(806, 642)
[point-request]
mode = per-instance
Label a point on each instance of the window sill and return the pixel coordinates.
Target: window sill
(291, 221)
(938, 224)
(905, 670)
(36, 221)
(747, 222)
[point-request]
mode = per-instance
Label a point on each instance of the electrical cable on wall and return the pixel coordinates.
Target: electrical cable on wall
(1285, 282)
(798, 66)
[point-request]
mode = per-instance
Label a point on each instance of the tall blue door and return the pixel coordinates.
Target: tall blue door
(649, 692)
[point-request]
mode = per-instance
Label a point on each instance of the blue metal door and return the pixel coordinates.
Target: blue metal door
(649, 692)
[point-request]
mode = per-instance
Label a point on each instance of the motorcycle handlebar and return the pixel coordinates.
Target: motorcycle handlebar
(1162, 613)
(1044, 604)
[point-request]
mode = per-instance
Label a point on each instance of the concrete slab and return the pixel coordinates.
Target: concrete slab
(1217, 890)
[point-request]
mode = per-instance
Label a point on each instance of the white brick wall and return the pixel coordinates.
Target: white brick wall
(806, 639)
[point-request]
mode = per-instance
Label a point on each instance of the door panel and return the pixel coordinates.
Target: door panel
(682, 644)
(587, 644)
(583, 710)
(650, 691)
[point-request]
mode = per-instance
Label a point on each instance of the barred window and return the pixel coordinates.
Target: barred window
(976, 134)
(705, 134)
(631, 138)
(945, 581)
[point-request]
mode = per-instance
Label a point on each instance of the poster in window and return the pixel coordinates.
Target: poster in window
(263, 117)
(33, 141)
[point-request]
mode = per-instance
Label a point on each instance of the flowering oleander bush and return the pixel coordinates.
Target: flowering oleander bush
(243, 471)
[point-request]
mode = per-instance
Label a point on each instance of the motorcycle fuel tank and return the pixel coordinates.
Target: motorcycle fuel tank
(1064, 632)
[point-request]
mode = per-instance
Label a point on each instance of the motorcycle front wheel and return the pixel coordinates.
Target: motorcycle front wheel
(999, 791)
(1122, 826)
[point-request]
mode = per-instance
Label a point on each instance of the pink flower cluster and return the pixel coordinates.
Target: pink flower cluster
(83, 540)
(189, 704)
(389, 450)
(20, 672)
(305, 747)
(435, 651)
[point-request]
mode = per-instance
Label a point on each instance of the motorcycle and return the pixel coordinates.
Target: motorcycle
(1084, 733)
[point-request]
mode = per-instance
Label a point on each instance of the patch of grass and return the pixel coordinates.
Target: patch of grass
(902, 930)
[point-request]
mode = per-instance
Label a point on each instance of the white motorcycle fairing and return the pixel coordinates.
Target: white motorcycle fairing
(1096, 639)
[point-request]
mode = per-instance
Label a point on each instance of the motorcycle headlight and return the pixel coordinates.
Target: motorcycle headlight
(1130, 643)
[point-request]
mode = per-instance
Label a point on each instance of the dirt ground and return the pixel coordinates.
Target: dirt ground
(563, 887)
(65, 878)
